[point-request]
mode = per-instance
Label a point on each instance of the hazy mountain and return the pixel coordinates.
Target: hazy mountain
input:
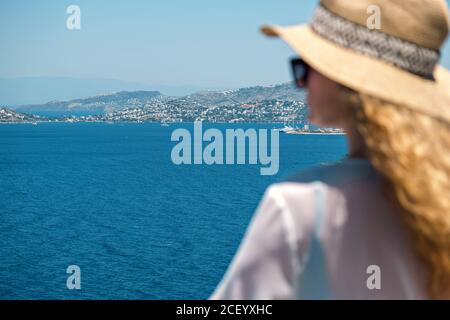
(278, 103)
(285, 92)
(102, 104)
(39, 90)
(93, 105)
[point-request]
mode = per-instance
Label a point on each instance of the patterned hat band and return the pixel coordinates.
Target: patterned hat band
(406, 55)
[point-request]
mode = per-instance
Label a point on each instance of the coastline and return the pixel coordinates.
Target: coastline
(318, 133)
(35, 123)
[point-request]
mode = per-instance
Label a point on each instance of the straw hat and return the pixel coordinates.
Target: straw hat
(398, 62)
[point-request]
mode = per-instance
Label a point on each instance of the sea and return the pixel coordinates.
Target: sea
(109, 199)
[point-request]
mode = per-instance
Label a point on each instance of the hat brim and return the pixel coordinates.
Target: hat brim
(368, 75)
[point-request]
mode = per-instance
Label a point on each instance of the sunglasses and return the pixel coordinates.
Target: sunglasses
(300, 71)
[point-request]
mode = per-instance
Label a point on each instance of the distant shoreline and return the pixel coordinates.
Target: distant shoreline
(318, 133)
(35, 123)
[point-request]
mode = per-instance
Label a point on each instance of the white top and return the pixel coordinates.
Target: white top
(327, 233)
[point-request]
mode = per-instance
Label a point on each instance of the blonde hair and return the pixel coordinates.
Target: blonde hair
(411, 151)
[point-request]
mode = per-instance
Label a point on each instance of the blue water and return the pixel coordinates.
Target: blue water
(108, 199)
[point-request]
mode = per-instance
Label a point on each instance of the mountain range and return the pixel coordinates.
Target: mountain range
(284, 92)
(39, 90)
(93, 105)
(104, 104)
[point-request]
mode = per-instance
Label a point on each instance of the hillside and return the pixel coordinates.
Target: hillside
(95, 105)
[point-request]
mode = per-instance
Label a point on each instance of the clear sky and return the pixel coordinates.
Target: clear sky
(210, 43)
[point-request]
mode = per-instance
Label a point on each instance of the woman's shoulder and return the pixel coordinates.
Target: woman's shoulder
(335, 173)
(312, 182)
(305, 197)
(278, 240)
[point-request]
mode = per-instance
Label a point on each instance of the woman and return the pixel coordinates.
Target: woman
(376, 224)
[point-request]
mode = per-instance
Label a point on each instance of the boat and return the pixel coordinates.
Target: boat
(288, 129)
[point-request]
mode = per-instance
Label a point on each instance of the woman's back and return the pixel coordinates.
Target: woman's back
(326, 233)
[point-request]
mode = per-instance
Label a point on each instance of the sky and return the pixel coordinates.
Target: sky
(209, 43)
